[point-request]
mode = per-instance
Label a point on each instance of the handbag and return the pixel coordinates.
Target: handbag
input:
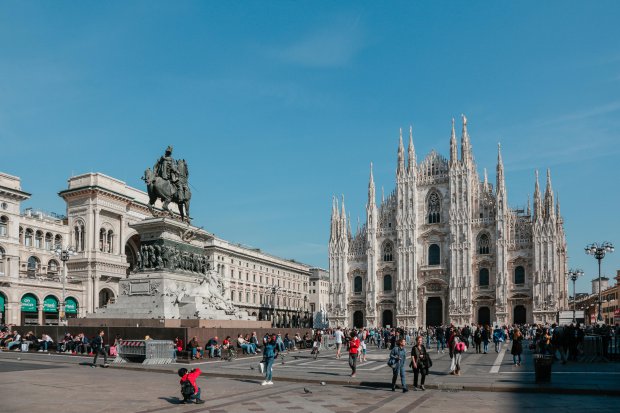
(392, 362)
(261, 367)
(113, 351)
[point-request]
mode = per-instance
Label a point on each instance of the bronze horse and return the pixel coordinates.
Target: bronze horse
(167, 192)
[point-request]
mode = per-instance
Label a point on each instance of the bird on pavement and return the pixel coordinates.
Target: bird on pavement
(306, 390)
(251, 367)
(322, 383)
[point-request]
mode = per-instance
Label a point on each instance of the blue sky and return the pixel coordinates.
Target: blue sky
(279, 105)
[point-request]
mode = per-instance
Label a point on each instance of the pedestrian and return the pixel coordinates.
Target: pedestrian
(270, 353)
(458, 347)
(362, 356)
(517, 348)
(189, 388)
(478, 339)
(439, 333)
(97, 347)
(354, 344)
(398, 358)
(338, 336)
(485, 338)
(498, 338)
(420, 362)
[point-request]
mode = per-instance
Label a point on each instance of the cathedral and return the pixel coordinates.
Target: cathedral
(445, 247)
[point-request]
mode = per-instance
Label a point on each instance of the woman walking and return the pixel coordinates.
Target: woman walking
(517, 347)
(398, 357)
(485, 338)
(458, 348)
(478, 339)
(269, 355)
(420, 361)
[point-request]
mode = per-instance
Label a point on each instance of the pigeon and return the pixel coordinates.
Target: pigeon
(19, 358)
(322, 383)
(252, 367)
(306, 390)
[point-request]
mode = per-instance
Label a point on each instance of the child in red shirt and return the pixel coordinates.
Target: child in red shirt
(191, 376)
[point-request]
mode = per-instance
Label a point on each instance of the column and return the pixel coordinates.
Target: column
(40, 313)
(96, 302)
(121, 247)
(95, 237)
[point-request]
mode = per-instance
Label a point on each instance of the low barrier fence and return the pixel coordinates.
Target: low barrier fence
(146, 351)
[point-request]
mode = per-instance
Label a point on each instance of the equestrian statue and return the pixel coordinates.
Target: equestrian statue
(168, 182)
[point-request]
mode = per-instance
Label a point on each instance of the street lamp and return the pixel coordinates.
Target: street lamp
(273, 290)
(599, 251)
(64, 254)
(573, 275)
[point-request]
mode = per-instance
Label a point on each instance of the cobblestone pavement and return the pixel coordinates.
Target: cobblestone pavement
(36, 385)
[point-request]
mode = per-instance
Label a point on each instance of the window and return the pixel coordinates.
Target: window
(52, 267)
(519, 275)
(357, 284)
(387, 251)
(79, 235)
(483, 277)
(29, 237)
(38, 240)
(48, 242)
(434, 208)
(434, 256)
(110, 244)
(57, 241)
(33, 264)
(483, 244)
(387, 283)
(1, 261)
(4, 226)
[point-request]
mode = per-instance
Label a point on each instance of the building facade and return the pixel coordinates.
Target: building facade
(99, 213)
(445, 247)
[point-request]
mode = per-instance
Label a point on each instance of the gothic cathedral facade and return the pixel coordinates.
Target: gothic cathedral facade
(445, 247)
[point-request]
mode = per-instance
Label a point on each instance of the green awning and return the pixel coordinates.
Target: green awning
(29, 303)
(50, 304)
(71, 305)
(1, 303)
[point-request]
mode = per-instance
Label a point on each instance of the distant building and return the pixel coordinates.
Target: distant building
(100, 210)
(445, 247)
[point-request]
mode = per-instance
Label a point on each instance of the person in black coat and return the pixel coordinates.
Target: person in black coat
(97, 345)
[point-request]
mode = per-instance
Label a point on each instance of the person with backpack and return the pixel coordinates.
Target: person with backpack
(398, 357)
(189, 388)
(478, 339)
(97, 347)
(498, 338)
(354, 344)
(458, 347)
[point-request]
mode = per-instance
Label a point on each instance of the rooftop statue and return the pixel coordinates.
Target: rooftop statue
(168, 182)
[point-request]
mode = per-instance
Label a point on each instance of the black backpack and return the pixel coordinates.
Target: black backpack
(187, 389)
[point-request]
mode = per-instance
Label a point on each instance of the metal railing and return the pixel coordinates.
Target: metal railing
(146, 351)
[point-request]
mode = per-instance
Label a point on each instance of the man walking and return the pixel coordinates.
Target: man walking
(97, 347)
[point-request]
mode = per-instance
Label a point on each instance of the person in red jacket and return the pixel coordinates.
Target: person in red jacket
(354, 344)
(191, 377)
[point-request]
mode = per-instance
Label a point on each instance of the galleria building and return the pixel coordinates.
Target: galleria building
(100, 212)
(445, 247)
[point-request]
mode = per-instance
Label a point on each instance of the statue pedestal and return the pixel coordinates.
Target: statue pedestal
(172, 279)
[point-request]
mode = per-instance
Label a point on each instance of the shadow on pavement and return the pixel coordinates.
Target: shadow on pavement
(171, 400)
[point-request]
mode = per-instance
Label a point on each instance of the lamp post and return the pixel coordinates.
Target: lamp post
(599, 251)
(64, 254)
(573, 275)
(274, 290)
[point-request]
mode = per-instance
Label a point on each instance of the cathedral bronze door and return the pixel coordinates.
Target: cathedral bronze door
(387, 318)
(519, 315)
(434, 311)
(358, 319)
(484, 316)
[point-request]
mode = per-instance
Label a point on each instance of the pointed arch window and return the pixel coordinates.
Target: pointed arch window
(387, 283)
(387, 251)
(484, 244)
(483, 277)
(434, 254)
(357, 285)
(519, 275)
(434, 208)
